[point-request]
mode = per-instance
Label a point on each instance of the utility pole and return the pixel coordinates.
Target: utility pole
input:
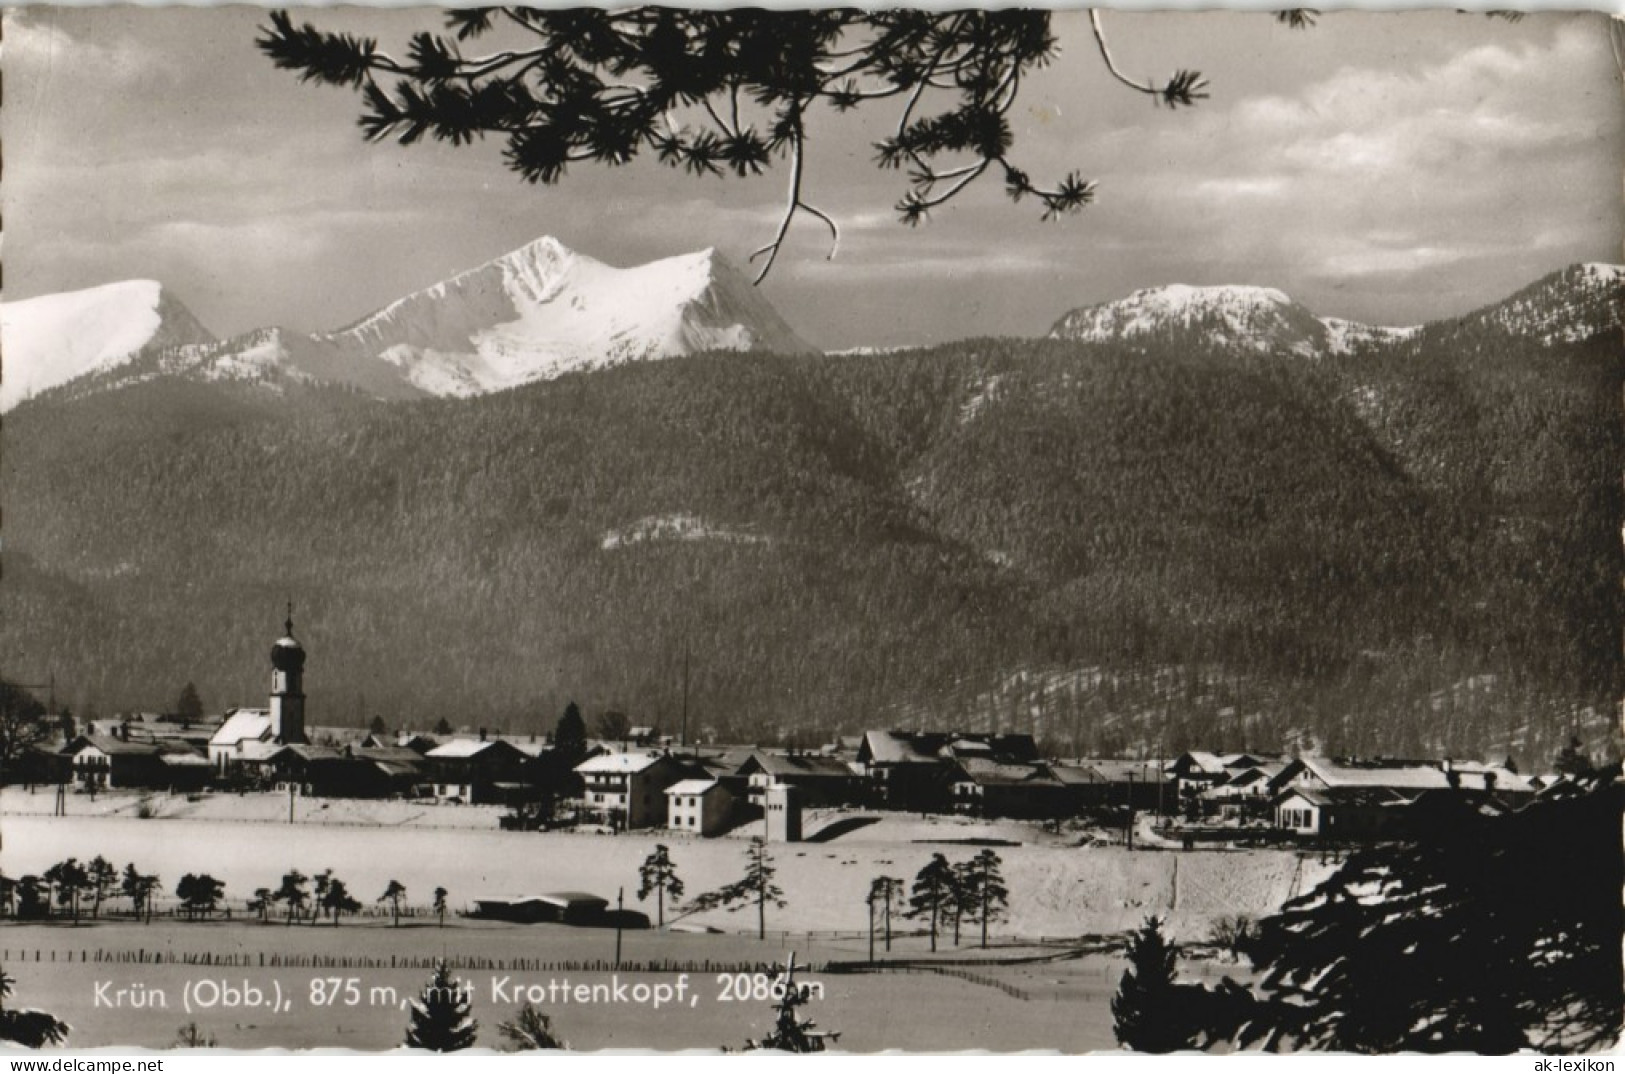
(290, 803)
(620, 903)
(684, 741)
(1131, 809)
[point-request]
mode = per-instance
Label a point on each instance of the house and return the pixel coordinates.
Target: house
(229, 745)
(698, 807)
(290, 765)
(1386, 798)
(629, 789)
(405, 771)
(475, 771)
(418, 744)
(183, 769)
(41, 763)
(1091, 785)
(1321, 773)
(823, 781)
(563, 907)
(1343, 812)
(1244, 796)
(984, 787)
(915, 770)
(106, 762)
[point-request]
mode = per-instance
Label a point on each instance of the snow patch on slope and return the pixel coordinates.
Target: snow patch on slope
(986, 392)
(674, 527)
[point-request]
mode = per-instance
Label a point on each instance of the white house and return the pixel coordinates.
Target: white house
(629, 788)
(698, 806)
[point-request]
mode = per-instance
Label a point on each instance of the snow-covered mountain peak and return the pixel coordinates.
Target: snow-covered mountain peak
(1580, 302)
(53, 339)
(1252, 318)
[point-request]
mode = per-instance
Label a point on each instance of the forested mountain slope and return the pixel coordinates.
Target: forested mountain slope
(1150, 546)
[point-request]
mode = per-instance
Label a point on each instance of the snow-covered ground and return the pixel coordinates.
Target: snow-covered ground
(1058, 889)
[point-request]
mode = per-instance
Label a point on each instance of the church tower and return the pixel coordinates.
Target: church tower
(288, 687)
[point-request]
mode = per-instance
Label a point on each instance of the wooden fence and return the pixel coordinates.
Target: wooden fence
(262, 960)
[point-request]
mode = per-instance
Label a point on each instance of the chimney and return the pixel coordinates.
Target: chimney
(482, 734)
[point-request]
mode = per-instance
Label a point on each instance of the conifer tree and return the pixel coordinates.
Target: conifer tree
(338, 900)
(932, 896)
(393, 894)
(529, 1030)
(757, 886)
(658, 874)
(29, 1028)
(885, 893)
(1146, 1011)
(440, 904)
(717, 92)
(983, 893)
(1485, 933)
(199, 894)
(102, 876)
(570, 736)
(442, 1015)
(293, 893)
(189, 707)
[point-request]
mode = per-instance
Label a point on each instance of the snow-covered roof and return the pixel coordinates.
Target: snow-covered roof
(801, 764)
(242, 725)
(184, 760)
(1120, 771)
(1347, 795)
(394, 754)
(111, 746)
(1411, 777)
(621, 763)
(461, 747)
(255, 749)
(984, 772)
(692, 786)
(1206, 762)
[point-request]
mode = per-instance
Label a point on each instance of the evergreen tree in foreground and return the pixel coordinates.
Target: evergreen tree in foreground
(31, 1029)
(528, 1030)
(442, 1019)
(1147, 1009)
(717, 92)
(1485, 933)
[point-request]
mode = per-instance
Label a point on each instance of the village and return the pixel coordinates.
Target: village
(1004, 884)
(643, 780)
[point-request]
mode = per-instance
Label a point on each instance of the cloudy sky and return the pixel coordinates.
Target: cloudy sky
(1384, 167)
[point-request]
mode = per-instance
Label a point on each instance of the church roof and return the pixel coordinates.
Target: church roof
(243, 725)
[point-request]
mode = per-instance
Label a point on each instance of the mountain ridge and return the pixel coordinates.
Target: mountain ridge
(531, 314)
(1570, 304)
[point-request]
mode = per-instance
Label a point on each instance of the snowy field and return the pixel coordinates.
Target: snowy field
(1056, 889)
(1056, 1003)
